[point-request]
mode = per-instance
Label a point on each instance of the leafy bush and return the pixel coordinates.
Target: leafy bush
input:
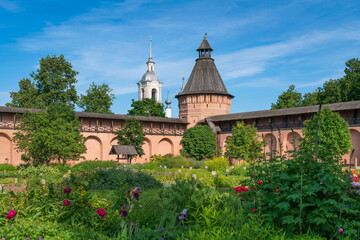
(90, 165)
(221, 181)
(176, 162)
(217, 164)
(156, 158)
(115, 178)
(238, 171)
(32, 171)
(199, 164)
(199, 142)
(6, 167)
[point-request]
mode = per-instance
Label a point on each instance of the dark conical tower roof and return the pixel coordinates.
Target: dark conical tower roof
(204, 78)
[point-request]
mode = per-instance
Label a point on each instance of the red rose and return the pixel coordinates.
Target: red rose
(259, 182)
(253, 210)
(101, 212)
(67, 190)
(66, 202)
(11, 214)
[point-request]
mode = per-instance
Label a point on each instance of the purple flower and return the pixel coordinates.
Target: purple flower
(67, 190)
(136, 192)
(161, 229)
(40, 238)
(123, 211)
(341, 230)
(183, 215)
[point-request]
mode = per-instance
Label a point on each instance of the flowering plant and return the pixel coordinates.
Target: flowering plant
(11, 214)
(67, 190)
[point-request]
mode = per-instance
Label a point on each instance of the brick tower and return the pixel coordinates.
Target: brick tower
(204, 94)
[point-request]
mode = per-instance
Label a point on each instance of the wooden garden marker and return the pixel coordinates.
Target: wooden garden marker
(165, 167)
(43, 181)
(160, 166)
(19, 172)
(4, 171)
(190, 168)
(69, 171)
(179, 170)
(227, 170)
(232, 167)
(206, 167)
(16, 180)
(213, 173)
(64, 176)
(40, 174)
(245, 168)
(194, 176)
(182, 166)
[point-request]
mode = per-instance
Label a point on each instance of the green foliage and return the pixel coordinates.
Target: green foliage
(238, 171)
(304, 194)
(115, 178)
(90, 165)
(171, 161)
(327, 136)
(147, 107)
(132, 134)
(288, 99)
(5, 166)
(50, 134)
(221, 181)
(199, 142)
(53, 82)
(26, 96)
(243, 143)
(344, 89)
(217, 164)
(156, 158)
(98, 99)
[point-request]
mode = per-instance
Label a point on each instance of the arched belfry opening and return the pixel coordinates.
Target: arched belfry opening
(153, 94)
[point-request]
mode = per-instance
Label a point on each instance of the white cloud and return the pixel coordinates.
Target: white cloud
(10, 6)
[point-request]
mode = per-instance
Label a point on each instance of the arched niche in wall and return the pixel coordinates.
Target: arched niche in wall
(355, 138)
(293, 141)
(147, 149)
(94, 148)
(165, 146)
(5, 149)
(271, 144)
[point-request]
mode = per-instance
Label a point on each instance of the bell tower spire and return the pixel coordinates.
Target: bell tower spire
(150, 64)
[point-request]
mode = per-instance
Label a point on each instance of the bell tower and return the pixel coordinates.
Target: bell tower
(205, 93)
(149, 85)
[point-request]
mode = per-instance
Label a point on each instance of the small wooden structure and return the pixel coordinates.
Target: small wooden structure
(123, 152)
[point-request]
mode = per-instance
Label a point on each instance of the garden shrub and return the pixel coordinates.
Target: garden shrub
(198, 142)
(221, 181)
(115, 178)
(6, 167)
(156, 158)
(217, 164)
(199, 164)
(90, 165)
(171, 161)
(238, 171)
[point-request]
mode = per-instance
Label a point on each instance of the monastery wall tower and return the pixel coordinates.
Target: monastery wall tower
(205, 93)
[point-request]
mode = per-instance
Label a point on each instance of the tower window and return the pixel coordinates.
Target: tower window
(142, 94)
(153, 94)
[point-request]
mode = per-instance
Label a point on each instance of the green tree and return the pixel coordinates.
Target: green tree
(326, 135)
(350, 83)
(330, 92)
(53, 82)
(288, 99)
(26, 97)
(310, 99)
(132, 134)
(199, 142)
(244, 143)
(98, 99)
(147, 107)
(51, 134)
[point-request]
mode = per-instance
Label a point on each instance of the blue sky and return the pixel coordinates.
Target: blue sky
(260, 47)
